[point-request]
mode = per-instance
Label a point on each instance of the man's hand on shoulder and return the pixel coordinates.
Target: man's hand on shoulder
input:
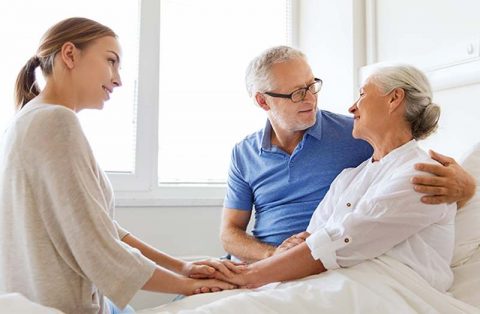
(451, 182)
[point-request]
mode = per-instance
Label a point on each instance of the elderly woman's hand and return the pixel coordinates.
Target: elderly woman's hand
(293, 241)
(450, 184)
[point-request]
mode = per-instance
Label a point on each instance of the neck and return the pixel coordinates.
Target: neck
(388, 141)
(58, 94)
(286, 140)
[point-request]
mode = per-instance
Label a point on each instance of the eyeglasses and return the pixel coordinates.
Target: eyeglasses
(299, 94)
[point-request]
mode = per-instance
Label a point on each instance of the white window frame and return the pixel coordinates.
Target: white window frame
(141, 188)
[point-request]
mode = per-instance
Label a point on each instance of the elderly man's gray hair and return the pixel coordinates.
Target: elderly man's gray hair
(420, 112)
(257, 77)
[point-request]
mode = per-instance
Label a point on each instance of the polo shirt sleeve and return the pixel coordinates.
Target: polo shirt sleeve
(239, 194)
(374, 226)
(75, 209)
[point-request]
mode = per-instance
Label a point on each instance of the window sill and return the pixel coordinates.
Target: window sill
(158, 202)
(174, 195)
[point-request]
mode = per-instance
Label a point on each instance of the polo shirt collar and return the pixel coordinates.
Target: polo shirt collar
(316, 129)
(266, 134)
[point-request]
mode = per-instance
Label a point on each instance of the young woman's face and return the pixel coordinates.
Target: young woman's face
(97, 72)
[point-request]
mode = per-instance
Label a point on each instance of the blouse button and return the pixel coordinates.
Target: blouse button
(348, 204)
(346, 240)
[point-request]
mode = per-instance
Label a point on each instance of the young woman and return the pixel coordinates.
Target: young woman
(59, 244)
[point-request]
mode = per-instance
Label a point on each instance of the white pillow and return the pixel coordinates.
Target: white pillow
(467, 221)
(466, 285)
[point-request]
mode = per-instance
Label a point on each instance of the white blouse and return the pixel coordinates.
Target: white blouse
(373, 210)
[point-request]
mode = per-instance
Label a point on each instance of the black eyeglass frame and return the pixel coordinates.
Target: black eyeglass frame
(305, 89)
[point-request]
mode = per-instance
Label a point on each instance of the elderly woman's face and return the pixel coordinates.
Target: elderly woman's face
(370, 112)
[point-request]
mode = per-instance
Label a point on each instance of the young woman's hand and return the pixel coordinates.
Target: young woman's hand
(196, 286)
(211, 268)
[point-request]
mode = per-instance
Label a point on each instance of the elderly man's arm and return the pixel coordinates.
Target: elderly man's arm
(450, 184)
(237, 242)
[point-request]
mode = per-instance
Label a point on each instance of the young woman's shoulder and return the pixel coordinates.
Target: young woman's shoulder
(50, 113)
(47, 118)
(44, 126)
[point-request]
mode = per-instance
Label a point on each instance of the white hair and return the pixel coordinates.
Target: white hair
(257, 77)
(420, 112)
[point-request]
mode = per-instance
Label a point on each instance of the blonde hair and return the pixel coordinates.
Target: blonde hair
(420, 112)
(77, 30)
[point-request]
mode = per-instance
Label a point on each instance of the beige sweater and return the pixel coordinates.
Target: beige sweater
(59, 245)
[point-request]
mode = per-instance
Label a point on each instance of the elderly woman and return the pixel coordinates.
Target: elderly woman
(373, 210)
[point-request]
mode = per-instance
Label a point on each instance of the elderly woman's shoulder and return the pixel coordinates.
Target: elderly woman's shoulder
(406, 163)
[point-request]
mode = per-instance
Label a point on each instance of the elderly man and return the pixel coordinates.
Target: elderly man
(285, 169)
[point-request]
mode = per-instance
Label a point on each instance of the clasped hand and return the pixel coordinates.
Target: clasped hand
(212, 269)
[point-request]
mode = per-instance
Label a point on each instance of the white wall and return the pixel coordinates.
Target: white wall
(411, 28)
(180, 231)
(458, 129)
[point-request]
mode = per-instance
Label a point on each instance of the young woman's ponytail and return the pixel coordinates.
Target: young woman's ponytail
(26, 86)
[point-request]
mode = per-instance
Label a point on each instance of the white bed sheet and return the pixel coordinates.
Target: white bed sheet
(382, 285)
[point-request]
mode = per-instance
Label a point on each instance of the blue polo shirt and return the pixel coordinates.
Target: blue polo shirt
(285, 189)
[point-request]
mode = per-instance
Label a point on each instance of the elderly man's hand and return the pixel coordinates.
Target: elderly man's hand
(450, 184)
(293, 241)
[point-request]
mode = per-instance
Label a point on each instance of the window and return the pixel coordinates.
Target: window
(169, 131)
(111, 132)
(204, 109)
